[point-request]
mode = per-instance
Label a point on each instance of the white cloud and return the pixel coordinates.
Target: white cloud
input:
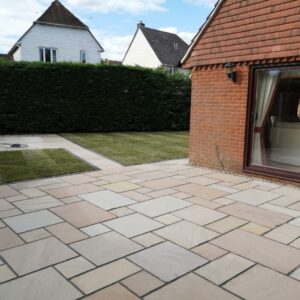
(185, 35)
(207, 3)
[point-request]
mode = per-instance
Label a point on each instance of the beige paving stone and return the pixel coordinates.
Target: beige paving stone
(202, 180)
(199, 215)
(10, 213)
(114, 292)
(82, 214)
(167, 219)
(265, 185)
(224, 268)
(288, 191)
(37, 255)
(285, 201)
(33, 192)
(74, 267)
(75, 190)
(245, 185)
(186, 234)
(70, 200)
(164, 183)
(284, 234)
(46, 284)
(136, 196)
(2, 224)
(115, 178)
(206, 203)
(225, 188)
(53, 186)
(94, 230)
(7, 191)
(223, 201)
(78, 179)
(5, 205)
(296, 274)
(35, 235)
(16, 198)
(191, 287)
(142, 283)
(259, 249)
(260, 283)
(282, 210)
(39, 203)
(202, 192)
(122, 186)
(161, 193)
(296, 243)
(255, 228)
(255, 214)
(181, 195)
(209, 251)
(104, 276)
(122, 211)
(226, 224)
(148, 176)
(35, 183)
(295, 222)
(144, 190)
(6, 274)
(193, 172)
(228, 177)
(148, 239)
(9, 239)
(66, 233)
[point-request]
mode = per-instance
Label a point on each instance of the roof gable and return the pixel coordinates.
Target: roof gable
(243, 30)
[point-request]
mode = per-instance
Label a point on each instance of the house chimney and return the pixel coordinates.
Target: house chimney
(141, 24)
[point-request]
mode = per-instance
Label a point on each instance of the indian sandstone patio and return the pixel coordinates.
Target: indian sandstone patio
(158, 231)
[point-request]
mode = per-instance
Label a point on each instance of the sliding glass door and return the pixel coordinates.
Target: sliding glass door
(274, 142)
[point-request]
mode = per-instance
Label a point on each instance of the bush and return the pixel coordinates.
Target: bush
(65, 97)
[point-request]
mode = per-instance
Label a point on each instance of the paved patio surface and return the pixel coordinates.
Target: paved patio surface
(158, 231)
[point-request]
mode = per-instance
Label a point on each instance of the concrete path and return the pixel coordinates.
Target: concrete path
(158, 231)
(53, 141)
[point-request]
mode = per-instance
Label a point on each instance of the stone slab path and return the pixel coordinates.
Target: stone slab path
(158, 231)
(53, 141)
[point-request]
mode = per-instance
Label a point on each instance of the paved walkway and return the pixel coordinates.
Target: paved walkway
(53, 141)
(158, 231)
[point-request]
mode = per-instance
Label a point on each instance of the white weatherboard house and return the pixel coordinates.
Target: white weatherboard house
(153, 48)
(57, 36)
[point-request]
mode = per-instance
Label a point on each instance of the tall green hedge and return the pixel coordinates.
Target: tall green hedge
(64, 97)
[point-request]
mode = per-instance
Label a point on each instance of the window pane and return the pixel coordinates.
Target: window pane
(276, 132)
(41, 54)
(83, 56)
(54, 56)
(48, 55)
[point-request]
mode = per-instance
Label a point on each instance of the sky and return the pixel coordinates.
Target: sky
(113, 22)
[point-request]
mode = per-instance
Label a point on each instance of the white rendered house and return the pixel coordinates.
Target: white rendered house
(57, 36)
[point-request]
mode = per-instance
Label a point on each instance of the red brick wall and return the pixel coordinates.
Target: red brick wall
(218, 118)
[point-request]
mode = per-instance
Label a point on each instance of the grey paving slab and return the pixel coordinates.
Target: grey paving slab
(107, 199)
(35, 220)
(167, 261)
(148, 239)
(94, 230)
(285, 233)
(6, 274)
(7, 191)
(160, 206)
(9, 239)
(46, 284)
(37, 255)
(133, 225)
(106, 248)
(5, 205)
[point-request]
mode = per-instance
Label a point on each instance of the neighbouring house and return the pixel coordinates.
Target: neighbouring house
(57, 36)
(153, 48)
(245, 114)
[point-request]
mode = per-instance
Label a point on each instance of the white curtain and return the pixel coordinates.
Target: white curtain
(266, 83)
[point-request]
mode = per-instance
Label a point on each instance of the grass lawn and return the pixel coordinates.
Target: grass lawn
(31, 164)
(133, 148)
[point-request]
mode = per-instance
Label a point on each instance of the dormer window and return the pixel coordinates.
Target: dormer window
(176, 46)
(83, 56)
(48, 55)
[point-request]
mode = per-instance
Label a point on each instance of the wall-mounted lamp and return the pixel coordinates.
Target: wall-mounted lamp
(230, 71)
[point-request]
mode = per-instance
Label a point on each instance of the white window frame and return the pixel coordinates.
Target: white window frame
(51, 54)
(81, 59)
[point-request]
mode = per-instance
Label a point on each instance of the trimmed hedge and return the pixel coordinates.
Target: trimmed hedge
(65, 97)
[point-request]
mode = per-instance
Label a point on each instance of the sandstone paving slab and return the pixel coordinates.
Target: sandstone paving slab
(6, 274)
(259, 249)
(37, 255)
(136, 196)
(133, 225)
(94, 230)
(53, 186)
(224, 268)
(114, 292)
(33, 192)
(295, 206)
(255, 228)
(282, 210)
(106, 248)
(46, 284)
(78, 179)
(5, 205)
(191, 287)
(115, 178)
(16, 198)
(223, 201)
(7, 191)
(160, 206)
(186, 234)
(202, 180)
(199, 215)
(82, 214)
(161, 193)
(206, 203)
(142, 283)
(193, 172)
(167, 261)
(35, 220)
(202, 192)
(296, 243)
(181, 195)
(10, 213)
(296, 274)
(105, 276)
(288, 191)
(296, 222)
(253, 196)
(148, 239)
(2, 224)
(209, 251)
(148, 176)
(255, 214)
(74, 267)
(67, 233)
(226, 224)
(35, 235)
(164, 183)
(107, 199)
(285, 201)
(228, 177)
(122, 211)
(38, 203)
(222, 187)
(284, 234)
(122, 186)
(35, 183)
(168, 219)
(260, 283)
(1, 262)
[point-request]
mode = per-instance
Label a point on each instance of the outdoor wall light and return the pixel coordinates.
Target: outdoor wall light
(230, 71)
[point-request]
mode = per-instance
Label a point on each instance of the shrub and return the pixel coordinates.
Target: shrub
(68, 97)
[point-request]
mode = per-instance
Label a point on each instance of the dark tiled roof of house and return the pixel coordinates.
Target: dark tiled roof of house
(5, 57)
(168, 47)
(57, 14)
